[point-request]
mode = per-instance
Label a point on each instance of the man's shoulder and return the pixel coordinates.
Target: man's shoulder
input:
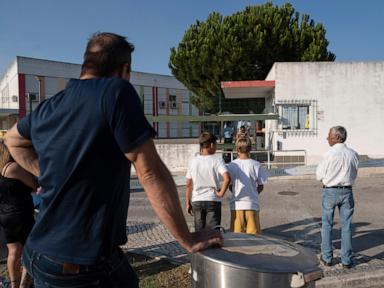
(116, 84)
(351, 150)
(47, 102)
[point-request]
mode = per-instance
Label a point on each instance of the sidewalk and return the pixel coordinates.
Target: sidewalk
(369, 167)
(291, 211)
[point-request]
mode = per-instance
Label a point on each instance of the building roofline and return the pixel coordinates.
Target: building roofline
(71, 63)
(249, 83)
(45, 60)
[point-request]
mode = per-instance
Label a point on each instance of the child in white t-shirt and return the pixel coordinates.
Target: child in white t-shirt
(248, 179)
(203, 182)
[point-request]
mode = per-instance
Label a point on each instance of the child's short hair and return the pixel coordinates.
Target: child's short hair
(206, 139)
(244, 145)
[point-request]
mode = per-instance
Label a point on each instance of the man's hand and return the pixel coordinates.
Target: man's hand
(204, 239)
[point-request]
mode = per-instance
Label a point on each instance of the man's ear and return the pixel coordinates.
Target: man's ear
(126, 71)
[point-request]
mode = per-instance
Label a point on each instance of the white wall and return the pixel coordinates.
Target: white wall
(350, 94)
(9, 86)
(176, 156)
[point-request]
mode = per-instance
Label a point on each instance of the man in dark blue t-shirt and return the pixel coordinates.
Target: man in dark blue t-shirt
(81, 143)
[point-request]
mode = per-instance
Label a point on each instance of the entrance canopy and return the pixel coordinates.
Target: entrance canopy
(211, 118)
(247, 89)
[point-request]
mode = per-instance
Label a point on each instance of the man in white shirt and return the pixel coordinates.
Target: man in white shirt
(203, 182)
(338, 172)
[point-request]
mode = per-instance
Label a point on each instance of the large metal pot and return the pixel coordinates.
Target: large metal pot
(255, 261)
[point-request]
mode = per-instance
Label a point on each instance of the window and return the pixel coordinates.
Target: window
(294, 117)
(172, 101)
(162, 105)
(172, 98)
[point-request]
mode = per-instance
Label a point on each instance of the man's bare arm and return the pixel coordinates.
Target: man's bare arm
(162, 194)
(22, 151)
(15, 171)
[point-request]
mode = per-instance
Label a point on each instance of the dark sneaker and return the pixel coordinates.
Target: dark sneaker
(325, 263)
(347, 266)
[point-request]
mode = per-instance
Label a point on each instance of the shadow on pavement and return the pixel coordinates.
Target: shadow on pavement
(306, 232)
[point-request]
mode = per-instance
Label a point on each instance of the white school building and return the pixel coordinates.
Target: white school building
(311, 97)
(28, 81)
(307, 98)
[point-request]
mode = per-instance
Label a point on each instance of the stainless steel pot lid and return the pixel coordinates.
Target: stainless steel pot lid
(262, 254)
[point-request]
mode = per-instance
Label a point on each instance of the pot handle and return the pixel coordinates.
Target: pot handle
(300, 280)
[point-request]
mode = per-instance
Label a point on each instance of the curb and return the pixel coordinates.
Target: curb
(363, 172)
(371, 279)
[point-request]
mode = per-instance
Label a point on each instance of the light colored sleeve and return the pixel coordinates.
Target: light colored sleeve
(320, 170)
(221, 168)
(262, 176)
(356, 163)
(189, 175)
(357, 160)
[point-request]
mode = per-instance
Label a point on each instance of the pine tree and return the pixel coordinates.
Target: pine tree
(243, 46)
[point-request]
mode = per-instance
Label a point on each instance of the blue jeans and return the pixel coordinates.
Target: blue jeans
(50, 272)
(343, 199)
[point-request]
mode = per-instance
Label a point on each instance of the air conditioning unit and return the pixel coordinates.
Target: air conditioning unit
(162, 104)
(173, 105)
(15, 98)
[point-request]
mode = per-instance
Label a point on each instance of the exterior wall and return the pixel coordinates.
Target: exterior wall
(349, 94)
(44, 78)
(177, 156)
(9, 88)
(9, 100)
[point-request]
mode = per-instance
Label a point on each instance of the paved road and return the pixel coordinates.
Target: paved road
(290, 209)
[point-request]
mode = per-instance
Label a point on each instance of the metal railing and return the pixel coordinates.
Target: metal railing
(272, 158)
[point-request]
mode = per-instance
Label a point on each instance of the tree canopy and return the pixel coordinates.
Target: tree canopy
(243, 46)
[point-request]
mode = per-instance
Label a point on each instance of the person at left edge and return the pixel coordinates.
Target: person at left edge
(81, 143)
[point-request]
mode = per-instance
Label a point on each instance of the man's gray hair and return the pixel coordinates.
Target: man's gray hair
(340, 132)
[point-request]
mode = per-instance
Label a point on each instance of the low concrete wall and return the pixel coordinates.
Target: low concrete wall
(176, 156)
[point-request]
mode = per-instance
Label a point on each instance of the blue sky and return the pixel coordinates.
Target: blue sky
(58, 30)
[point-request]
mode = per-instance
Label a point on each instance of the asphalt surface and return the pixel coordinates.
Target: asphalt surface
(291, 210)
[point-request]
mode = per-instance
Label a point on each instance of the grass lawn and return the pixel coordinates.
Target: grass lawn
(159, 272)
